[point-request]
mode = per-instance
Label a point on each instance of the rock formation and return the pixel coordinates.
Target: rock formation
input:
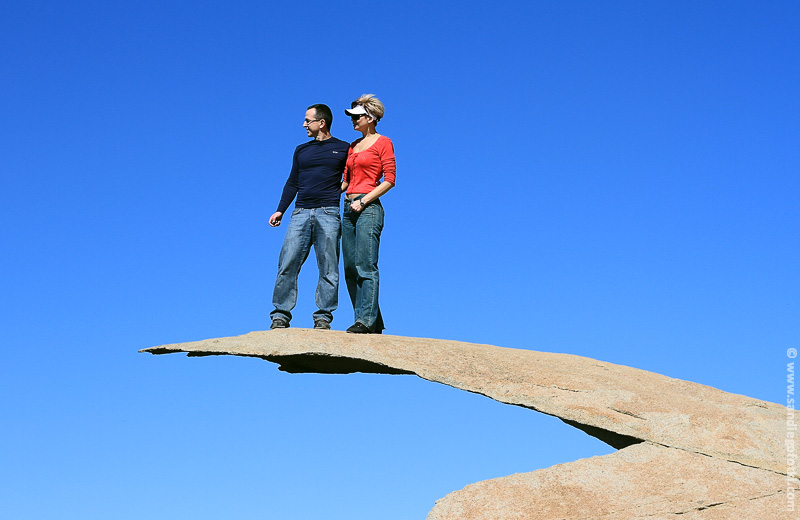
(683, 448)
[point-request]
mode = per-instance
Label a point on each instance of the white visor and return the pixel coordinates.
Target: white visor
(357, 111)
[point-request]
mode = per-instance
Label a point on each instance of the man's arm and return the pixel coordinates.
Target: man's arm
(289, 192)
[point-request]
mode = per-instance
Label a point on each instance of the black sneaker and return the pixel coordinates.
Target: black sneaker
(359, 328)
(279, 323)
(322, 324)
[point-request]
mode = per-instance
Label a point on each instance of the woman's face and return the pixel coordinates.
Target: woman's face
(360, 122)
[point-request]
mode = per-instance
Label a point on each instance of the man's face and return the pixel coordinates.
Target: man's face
(311, 123)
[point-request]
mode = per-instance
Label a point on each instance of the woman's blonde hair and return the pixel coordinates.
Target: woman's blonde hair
(372, 104)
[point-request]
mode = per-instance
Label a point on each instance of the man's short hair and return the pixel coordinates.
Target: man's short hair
(323, 112)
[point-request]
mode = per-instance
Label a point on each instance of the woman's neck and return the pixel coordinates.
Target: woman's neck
(369, 132)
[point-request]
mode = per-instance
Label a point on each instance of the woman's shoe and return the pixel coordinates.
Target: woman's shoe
(359, 328)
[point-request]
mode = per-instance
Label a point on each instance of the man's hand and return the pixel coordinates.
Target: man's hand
(275, 219)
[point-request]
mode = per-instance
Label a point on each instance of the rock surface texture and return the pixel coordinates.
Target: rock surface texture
(685, 450)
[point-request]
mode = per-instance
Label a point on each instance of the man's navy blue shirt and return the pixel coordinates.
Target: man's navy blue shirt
(316, 176)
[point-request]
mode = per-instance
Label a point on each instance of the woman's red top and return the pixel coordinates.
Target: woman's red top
(364, 169)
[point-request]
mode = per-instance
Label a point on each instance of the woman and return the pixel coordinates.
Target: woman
(370, 159)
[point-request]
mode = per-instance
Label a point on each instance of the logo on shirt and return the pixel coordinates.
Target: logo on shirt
(335, 151)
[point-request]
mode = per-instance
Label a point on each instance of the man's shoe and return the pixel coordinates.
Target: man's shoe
(359, 328)
(279, 323)
(322, 324)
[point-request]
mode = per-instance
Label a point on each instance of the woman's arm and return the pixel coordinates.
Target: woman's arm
(378, 192)
(385, 150)
(372, 196)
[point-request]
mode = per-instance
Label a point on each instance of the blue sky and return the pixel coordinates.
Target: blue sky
(612, 180)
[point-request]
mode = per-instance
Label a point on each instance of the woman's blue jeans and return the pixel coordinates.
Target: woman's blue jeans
(321, 228)
(361, 237)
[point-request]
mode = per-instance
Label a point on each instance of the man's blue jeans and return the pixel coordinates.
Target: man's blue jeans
(321, 228)
(361, 237)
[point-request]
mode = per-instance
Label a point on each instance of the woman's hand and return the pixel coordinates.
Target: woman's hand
(358, 206)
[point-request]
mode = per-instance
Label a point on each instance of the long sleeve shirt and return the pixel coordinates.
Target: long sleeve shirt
(365, 168)
(316, 175)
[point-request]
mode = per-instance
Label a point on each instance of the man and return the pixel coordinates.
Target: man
(316, 180)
